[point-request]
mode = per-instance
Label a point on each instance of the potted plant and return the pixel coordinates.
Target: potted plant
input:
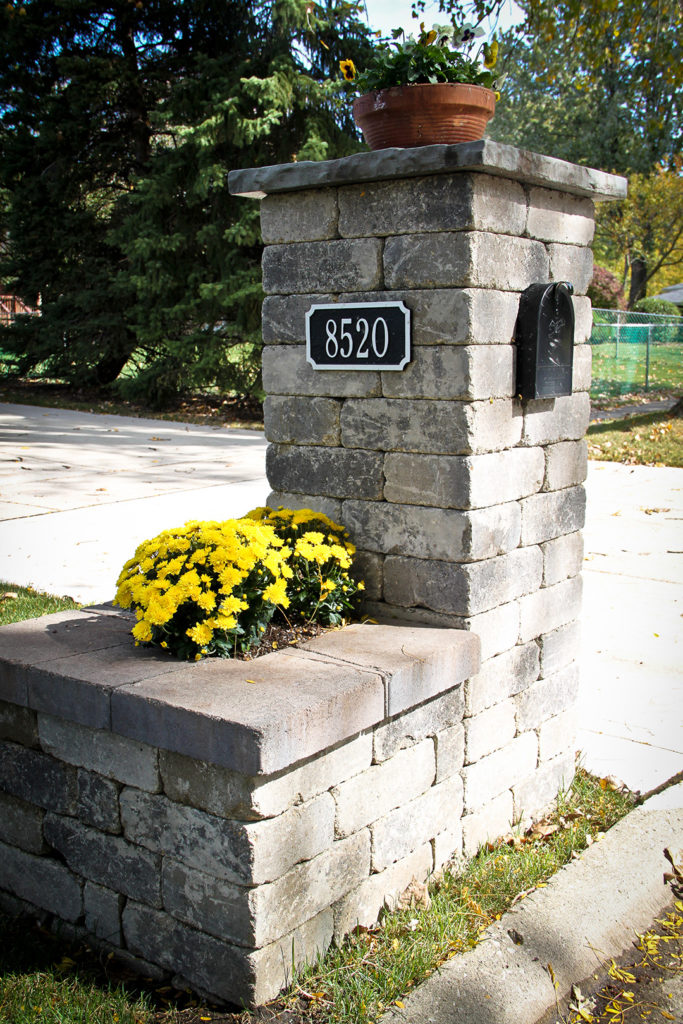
(425, 91)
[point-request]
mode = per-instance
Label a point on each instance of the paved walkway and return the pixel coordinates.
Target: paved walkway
(78, 492)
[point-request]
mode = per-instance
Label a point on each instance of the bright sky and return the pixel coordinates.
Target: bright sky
(384, 15)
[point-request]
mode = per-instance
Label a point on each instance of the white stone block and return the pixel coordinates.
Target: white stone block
(532, 796)
(496, 772)
(429, 719)
(566, 464)
(559, 217)
(562, 557)
(549, 608)
(552, 514)
(412, 824)
(557, 736)
(572, 263)
(559, 648)
(489, 730)
(546, 698)
(487, 824)
(450, 751)
(306, 216)
(501, 677)
(550, 420)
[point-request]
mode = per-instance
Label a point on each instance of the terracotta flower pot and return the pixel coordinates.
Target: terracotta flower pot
(424, 115)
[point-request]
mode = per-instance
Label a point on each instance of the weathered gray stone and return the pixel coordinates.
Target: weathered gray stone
(501, 677)
(546, 698)
(535, 793)
(492, 775)
(115, 757)
(283, 317)
(549, 608)
(560, 419)
(428, 719)
(489, 730)
(450, 751)
(106, 859)
(334, 472)
(372, 794)
(462, 589)
(489, 823)
(301, 420)
(98, 802)
(299, 216)
(336, 266)
(436, 203)
(21, 824)
(562, 558)
(566, 465)
(571, 263)
(412, 824)
(213, 905)
(103, 913)
(41, 882)
(559, 648)
(448, 847)
(466, 259)
(557, 736)
(493, 425)
(454, 371)
(552, 514)
(251, 852)
(38, 779)
(18, 724)
(558, 217)
(497, 628)
(583, 319)
(363, 904)
(368, 567)
(286, 371)
(582, 368)
(331, 507)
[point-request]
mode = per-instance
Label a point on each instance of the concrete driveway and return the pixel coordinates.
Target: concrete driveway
(79, 492)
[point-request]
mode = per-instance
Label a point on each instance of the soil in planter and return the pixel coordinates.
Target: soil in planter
(280, 634)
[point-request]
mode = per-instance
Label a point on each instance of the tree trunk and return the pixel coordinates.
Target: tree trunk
(638, 281)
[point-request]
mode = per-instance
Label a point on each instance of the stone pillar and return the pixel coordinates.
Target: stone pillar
(466, 503)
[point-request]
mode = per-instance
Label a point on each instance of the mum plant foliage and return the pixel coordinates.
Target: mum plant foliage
(212, 588)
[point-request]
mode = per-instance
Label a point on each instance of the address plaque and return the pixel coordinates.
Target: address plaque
(358, 336)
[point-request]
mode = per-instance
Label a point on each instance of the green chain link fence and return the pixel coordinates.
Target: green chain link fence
(636, 352)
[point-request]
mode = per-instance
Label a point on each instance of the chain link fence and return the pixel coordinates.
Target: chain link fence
(636, 352)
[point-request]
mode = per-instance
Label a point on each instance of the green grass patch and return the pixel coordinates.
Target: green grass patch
(654, 439)
(373, 969)
(18, 603)
(625, 369)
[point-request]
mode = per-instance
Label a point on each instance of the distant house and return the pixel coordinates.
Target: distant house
(10, 306)
(674, 293)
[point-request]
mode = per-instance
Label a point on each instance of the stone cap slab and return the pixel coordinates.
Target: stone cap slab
(254, 717)
(483, 156)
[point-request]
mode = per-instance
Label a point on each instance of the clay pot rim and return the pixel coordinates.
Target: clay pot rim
(479, 93)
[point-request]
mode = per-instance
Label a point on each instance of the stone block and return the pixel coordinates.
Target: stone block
(496, 772)
(242, 852)
(308, 216)
(108, 860)
(386, 424)
(550, 420)
(562, 558)
(493, 425)
(302, 420)
(582, 368)
(103, 909)
(559, 217)
(331, 507)
(37, 779)
(549, 608)
(566, 465)
(557, 736)
(487, 824)
(111, 755)
(362, 906)
(418, 821)
(454, 371)
(489, 730)
(372, 794)
(336, 266)
(98, 802)
(435, 203)
(501, 677)
(18, 724)
(450, 751)
(447, 847)
(286, 371)
(41, 882)
(497, 628)
(429, 719)
(546, 698)
(283, 317)
(533, 795)
(21, 824)
(571, 263)
(552, 514)
(583, 319)
(213, 905)
(407, 529)
(559, 648)
(368, 567)
(333, 472)
(465, 259)
(462, 589)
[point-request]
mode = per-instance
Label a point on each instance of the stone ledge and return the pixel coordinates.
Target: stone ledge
(484, 156)
(255, 717)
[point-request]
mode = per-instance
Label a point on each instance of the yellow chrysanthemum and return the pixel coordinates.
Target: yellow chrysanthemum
(142, 631)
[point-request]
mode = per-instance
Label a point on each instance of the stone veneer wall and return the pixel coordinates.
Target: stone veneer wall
(466, 504)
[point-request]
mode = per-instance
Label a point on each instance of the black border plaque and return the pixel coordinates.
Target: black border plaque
(358, 336)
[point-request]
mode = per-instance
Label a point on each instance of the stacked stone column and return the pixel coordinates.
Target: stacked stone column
(466, 503)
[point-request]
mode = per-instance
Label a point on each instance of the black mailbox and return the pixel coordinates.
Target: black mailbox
(545, 341)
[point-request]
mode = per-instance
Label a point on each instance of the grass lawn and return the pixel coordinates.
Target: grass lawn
(627, 369)
(654, 439)
(18, 603)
